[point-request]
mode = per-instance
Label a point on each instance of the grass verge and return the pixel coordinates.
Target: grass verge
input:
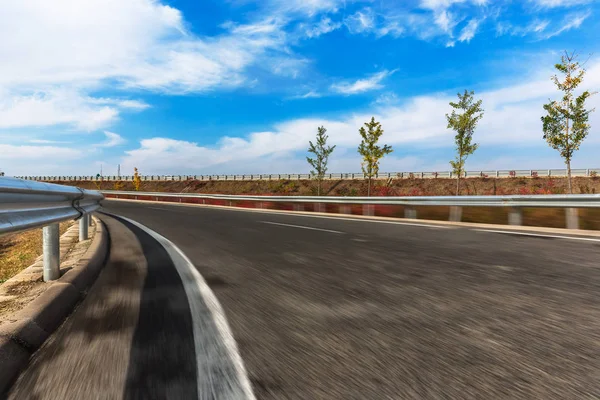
(19, 250)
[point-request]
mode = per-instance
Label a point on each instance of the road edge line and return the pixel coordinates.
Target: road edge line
(186, 269)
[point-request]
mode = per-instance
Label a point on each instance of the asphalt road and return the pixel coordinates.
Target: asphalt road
(341, 309)
(325, 308)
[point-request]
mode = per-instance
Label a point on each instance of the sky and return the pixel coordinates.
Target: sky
(240, 86)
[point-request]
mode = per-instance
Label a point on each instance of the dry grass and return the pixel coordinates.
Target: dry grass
(19, 250)
(358, 187)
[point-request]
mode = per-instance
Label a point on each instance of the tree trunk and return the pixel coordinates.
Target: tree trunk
(458, 184)
(369, 187)
(569, 176)
(319, 187)
(568, 159)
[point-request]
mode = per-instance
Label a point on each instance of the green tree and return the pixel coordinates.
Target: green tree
(369, 150)
(566, 123)
(321, 152)
(463, 120)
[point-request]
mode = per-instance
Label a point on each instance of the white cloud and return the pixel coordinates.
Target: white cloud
(107, 37)
(389, 98)
(308, 95)
(392, 28)
(362, 21)
(54, 107)
(306, 7)
(289, 67)
(571, 21)
(511, 121)
(469, 31)
(26, 153)
(362, 85)
(560, 3)
(112, 140)
(444, 4)
(446, 21)
(438, 18)
(44, 141)
(39, 160)
(124, 104)
(536, 26)
(325, 25)
(69, 50)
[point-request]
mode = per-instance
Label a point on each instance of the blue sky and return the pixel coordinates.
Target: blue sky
(240, 86)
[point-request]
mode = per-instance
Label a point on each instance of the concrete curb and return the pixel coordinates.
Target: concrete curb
(31, 326)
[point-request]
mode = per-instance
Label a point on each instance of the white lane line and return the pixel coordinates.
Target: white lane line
(539, 235)
(302, 227)
(297, 214)
(381, 222)
(220, 370)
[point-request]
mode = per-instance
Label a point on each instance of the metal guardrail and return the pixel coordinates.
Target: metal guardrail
(515, 203)
(26, 205)
(334, 176)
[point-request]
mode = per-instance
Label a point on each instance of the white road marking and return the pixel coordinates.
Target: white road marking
(378, 221)
(539, 235)
(295, 214)
(220, 370)
(302, 227)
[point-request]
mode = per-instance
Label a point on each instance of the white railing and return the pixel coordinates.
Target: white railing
(26, 205)
(589, 172)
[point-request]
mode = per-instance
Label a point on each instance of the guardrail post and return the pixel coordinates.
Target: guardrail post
(84, 223)
(410, 213)
(572, 216)
(455, 214)
(51, 246)
(368, 209)
(515, 216)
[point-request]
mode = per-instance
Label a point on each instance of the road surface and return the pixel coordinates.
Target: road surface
(325, 308)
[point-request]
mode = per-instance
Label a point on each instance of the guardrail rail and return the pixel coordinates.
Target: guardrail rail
(515, 204)
(523, 173)
(27, 204)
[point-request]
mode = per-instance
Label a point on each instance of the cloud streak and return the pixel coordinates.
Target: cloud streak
(373, 82)
(415, 123)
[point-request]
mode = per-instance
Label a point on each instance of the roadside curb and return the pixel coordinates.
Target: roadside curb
(31, 326)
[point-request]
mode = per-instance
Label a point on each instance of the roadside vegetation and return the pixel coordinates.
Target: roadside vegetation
(566, 123)
(19, 250)
(564, 127)
(321, 157)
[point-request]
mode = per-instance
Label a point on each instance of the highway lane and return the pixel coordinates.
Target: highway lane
(342, 309)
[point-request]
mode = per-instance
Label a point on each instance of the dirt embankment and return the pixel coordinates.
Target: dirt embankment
(546, 217)
(392, 187)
